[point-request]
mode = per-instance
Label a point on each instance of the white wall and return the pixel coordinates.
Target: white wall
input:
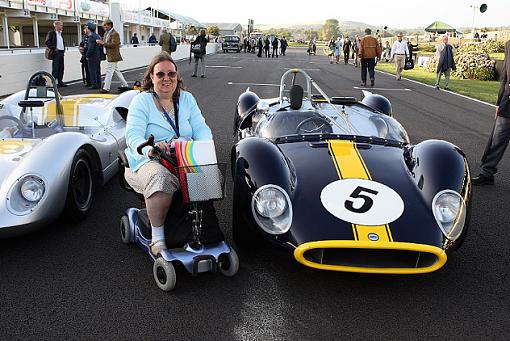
(17, 68)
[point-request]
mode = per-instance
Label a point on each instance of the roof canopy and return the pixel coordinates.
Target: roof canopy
(440, 27)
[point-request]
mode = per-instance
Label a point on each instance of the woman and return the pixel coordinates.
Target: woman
(346, 50)
(338, 49)
(153, 112)
(201, 41)
(331, 50)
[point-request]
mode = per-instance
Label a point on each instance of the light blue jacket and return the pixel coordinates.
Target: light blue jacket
(145, 119)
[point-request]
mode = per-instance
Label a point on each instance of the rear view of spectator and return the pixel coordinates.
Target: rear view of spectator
(134, 40)
(152, 39)
(93, 55)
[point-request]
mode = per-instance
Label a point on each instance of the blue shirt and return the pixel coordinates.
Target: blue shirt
(145, 119)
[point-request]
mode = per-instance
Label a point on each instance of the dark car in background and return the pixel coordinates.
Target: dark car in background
(231, 43)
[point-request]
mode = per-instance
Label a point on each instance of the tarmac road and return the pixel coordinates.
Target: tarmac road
(80, 282)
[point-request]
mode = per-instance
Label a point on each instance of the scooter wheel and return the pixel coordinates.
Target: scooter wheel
(228, 263)
(164, 274)
(125, 230)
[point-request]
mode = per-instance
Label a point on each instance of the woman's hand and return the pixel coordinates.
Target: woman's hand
(163, 146)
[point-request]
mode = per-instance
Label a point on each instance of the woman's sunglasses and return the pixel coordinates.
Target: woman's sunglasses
(171, 74)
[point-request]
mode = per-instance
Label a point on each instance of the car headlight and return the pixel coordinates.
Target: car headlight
(272, 209)
(32, 188)
(450, 212)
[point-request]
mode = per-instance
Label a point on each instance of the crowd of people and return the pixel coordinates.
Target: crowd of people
(269, 46)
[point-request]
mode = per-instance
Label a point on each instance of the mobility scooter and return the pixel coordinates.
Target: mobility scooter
(193, 236)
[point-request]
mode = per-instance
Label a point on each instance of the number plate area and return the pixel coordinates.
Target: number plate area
(362, 202)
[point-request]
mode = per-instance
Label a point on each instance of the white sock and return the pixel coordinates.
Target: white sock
(158, 233)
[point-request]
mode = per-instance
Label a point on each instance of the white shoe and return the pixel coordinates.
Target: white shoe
(157, 246)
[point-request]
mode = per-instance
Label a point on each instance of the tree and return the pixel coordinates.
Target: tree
(213, 30)
(192, 30)
(330, 29)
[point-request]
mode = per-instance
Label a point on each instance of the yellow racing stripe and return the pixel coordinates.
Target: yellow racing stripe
(350, 165)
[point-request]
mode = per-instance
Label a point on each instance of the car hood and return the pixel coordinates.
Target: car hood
(356, 191)
(12, 152)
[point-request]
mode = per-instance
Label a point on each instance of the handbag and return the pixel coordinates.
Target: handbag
(49, 53)
(408, 63)
(196, 49)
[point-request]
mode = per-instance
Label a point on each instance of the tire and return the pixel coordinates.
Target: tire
(243, 235)
(80, 192)
(164, 274)
(228, 263)
(126, 234)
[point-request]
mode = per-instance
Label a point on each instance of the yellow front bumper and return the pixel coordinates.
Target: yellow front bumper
(433, 257)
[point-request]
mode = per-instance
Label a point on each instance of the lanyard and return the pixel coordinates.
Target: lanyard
(167, 117)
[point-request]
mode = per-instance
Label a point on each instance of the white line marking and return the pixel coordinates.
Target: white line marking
(224, 66)
(450, 92)
(253, 84)
(384, 89)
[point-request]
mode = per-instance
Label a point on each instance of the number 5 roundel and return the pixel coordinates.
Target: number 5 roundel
(362, 202)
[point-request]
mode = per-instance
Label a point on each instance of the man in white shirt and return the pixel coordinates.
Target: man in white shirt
(398, 53)
(55, 42)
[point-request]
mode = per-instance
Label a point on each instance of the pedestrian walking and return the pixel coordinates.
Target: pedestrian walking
(399, 53)
(331, 50)
(84, 64)
(111, 42)
(446, 63)
(346, 50)
(355, 50)
(55, 42)
(274, 43)
(93, 55)
(167, 42)
(500, 136)
(339, 44)
(368, 53)
(200, 44)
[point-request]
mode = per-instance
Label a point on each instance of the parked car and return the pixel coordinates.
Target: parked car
(55, 152)
(231, 43)
(337, 183)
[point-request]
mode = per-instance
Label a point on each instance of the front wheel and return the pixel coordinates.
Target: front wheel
(228, 263)
(164, 274)
(80, 193)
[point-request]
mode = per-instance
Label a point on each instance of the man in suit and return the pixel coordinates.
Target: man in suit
(500, 136)
(55, 42)
(111, 42)
(93, 55)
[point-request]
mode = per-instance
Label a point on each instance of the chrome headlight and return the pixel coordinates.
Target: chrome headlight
(272, 209)
(32, 188)
(450, 212)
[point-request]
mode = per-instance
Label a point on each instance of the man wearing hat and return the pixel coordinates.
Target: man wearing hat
(93, 56)
(111, 42)
(398, 53)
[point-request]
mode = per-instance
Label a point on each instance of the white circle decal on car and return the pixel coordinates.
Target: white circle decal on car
(362, 202)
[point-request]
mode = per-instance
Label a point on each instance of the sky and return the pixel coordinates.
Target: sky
(391, 13)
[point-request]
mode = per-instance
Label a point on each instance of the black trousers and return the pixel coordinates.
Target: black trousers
(275, 52)
(496, 146)
(95, 72)
(367, 64)
(57, 66)
(283, 50)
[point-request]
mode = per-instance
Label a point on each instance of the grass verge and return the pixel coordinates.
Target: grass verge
(486, 91)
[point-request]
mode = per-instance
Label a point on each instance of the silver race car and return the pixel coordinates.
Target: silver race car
(55, 152)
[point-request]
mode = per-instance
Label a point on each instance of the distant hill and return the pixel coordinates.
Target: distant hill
(350, 25)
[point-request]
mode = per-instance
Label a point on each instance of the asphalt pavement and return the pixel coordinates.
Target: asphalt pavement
(79, 281)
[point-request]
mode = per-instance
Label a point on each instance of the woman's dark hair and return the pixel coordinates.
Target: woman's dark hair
(147, 81)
